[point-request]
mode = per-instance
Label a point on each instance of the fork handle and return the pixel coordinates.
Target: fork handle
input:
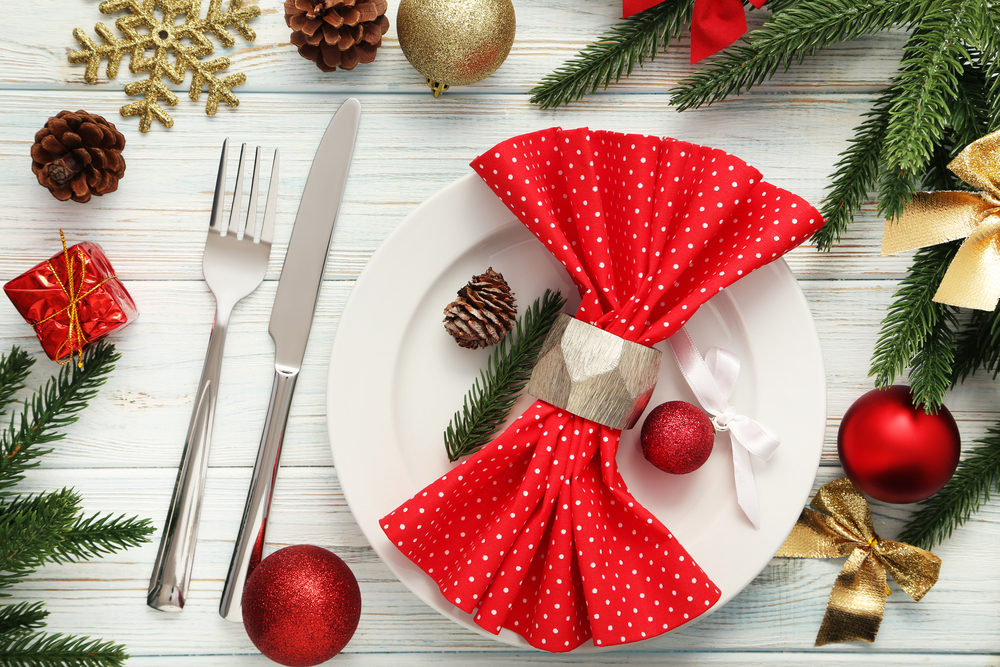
(168, 585)
(250, 540)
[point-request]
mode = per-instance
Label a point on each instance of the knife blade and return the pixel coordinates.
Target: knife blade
(291, 321)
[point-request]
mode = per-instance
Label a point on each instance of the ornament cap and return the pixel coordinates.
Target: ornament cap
(437, 88)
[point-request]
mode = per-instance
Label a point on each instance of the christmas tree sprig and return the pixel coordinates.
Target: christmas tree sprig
(627, 44)
(977, 478)
(786, 39)
(856, 175)
(58, 650)
(53, 406)
(508, 369)
(14, 370)
(918, 332)
(49, 527)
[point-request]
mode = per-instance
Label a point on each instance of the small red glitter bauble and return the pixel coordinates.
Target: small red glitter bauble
(677, 437)
(301, 605)
(893, 450)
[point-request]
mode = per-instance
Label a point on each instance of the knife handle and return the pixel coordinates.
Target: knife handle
(250, 541)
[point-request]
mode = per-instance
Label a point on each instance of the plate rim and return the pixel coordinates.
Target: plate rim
(784, 273)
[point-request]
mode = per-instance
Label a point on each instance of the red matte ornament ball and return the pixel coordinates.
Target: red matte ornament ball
(301, 605)
(677, 437)
(894, 451)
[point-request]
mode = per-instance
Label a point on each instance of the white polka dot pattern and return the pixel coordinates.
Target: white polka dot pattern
(537, 532)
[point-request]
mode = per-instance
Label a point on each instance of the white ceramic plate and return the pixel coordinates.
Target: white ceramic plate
(396, 378)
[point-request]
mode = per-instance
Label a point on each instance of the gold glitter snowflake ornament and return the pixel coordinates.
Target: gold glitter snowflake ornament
(187, 41)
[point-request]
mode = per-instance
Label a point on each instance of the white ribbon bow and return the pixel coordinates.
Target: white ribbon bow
(712, 380)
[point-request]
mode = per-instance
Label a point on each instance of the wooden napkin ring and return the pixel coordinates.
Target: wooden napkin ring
(594, 374)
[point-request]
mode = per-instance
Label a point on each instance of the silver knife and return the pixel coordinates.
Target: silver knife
(291, 319)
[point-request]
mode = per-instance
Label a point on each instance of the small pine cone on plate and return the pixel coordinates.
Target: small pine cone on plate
(483, 313)
(77, 155)
(337, 33)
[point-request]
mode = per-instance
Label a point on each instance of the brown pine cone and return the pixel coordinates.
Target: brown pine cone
(337, 33)
(483, 313)
(77, 155)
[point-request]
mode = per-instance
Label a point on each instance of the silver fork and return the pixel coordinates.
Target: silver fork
(234, 265)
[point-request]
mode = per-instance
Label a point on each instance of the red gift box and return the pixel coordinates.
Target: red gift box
(72, 299)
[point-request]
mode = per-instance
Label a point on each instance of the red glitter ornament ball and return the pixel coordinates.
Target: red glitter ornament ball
(893, 450)
(301, 605)
(677, 437)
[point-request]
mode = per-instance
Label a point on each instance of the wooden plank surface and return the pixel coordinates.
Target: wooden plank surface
(123, 453)
(780, 610)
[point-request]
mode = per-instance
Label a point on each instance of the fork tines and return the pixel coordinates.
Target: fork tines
(239, 224)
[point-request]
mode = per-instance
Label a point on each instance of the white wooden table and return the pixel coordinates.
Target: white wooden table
(122, 455)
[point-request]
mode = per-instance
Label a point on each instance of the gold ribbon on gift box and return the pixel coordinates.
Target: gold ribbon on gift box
(75, 338)
(841, 525)
(973, 278)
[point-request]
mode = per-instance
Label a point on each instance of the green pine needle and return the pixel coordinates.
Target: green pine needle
(54, 406)
(977, 478)
(914, 324)
(101, 534)
(48, 527)
(57, 650)
(14, 370)
(856, 176)
(22, 617)
(30, 530)
(978, 346)
(627, 44)
(787, 38)
(508, 370)
(927, 83)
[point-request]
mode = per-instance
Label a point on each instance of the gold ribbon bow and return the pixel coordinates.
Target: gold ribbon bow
(973, 278)
(75, 338)
(842, 526)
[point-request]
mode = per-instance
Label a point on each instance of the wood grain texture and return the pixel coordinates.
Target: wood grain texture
(780, 610)
(411, 146)
(122, 455)
(548, 33)
(139, 419)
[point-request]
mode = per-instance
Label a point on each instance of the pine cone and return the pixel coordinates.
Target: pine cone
(483, 313)
(337, 33)
(77, 155)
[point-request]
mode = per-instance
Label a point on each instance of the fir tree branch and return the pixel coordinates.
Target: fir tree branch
(857, 174)
(989, 63)
(969, 116)
(777, 6)
(54, 406)
(788, 37)
(894, 190)
(30, 531)
(627, 44)
(811, 25)
(508, 369)
(914, 321)
(57, 650)
(14, 370)
(977, 477)
(100, 534)
(931, 366)
(47, 528)
(22, 617)
(927, 83)
(978, 346)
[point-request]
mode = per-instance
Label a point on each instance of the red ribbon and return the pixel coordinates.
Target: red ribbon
(715, 24)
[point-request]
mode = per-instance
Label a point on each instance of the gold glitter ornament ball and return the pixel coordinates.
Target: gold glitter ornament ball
(455, 42)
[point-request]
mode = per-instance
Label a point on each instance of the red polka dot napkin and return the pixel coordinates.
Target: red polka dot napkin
(537, 532)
